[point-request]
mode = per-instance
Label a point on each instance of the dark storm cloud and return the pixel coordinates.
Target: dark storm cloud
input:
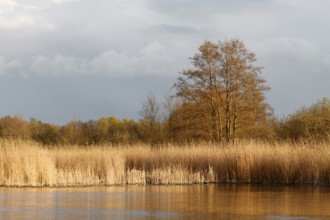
(60, 58)
(62, 99)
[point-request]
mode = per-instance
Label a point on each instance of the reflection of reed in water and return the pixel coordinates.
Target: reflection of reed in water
(198, 201)
(232, 201)
(28, 164)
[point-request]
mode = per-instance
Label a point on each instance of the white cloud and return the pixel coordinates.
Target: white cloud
(56, 65)
(114, 63)
(9, 67)
(7, 6)
(17, 21)
(24, 21)
(297, 47)
(153, 49)
(39, 4)
(292, 56)
(300, 4)
(22, 14)
(3, 65)
(58, 2)
(150, 60)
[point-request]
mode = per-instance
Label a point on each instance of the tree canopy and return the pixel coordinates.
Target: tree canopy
(223, 94)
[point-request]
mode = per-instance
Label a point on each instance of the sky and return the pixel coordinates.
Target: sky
(63, 60)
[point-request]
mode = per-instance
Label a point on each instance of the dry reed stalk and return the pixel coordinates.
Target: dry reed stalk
(29, 164)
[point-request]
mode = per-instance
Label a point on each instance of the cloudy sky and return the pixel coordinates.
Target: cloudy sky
(83, 59)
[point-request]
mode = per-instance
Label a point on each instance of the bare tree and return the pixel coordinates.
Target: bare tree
(150, 118)
(227, 83)
(201, 86)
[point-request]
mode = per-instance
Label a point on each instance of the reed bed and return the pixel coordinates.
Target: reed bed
(30, 164)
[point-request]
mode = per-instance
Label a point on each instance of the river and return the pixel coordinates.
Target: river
(209, 201)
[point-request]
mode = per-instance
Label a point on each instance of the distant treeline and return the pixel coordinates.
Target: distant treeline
(220, 99)
(105, 130)
(307, 124)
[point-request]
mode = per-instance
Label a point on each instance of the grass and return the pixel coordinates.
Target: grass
(29, 164)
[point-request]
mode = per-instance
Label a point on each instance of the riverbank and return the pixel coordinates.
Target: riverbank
(29, 164)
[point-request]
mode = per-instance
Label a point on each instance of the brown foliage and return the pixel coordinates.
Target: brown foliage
(224, 92)
(307, 124)
(14, 128)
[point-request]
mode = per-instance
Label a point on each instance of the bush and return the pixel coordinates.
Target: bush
(308, 124)
(14, 128)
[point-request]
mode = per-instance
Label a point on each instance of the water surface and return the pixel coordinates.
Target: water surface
(167, 202)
